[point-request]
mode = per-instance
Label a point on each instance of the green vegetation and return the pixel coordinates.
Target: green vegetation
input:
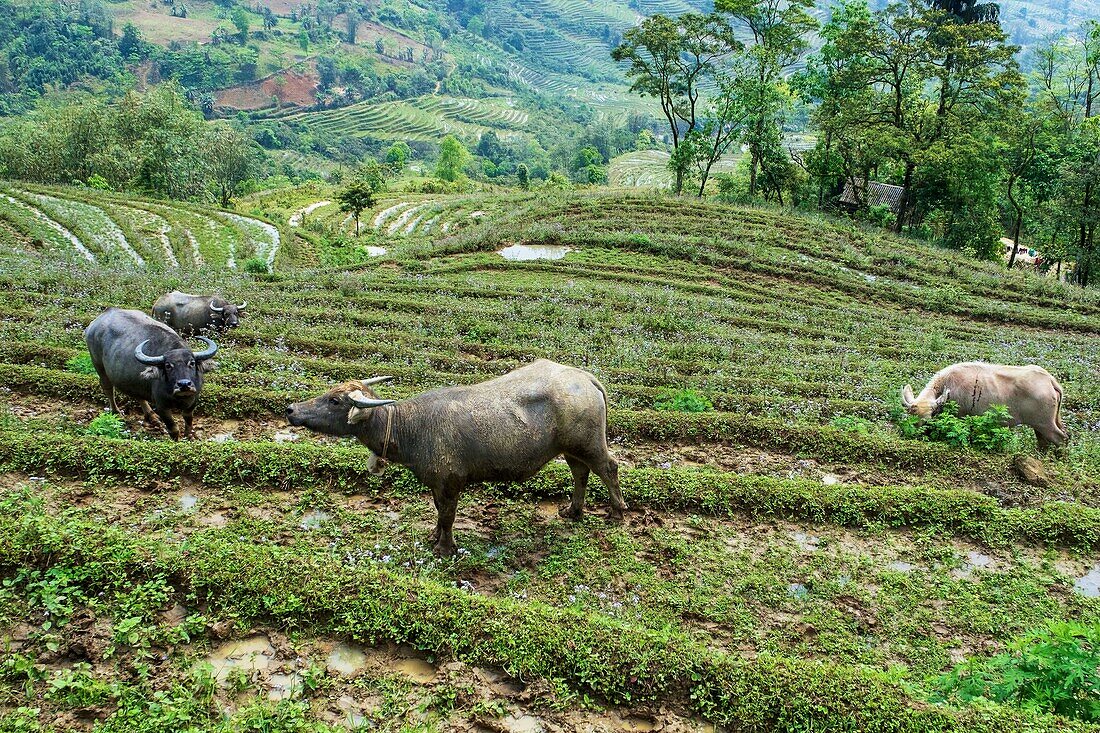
(682, 400)
(984, 432)
(1052, 669)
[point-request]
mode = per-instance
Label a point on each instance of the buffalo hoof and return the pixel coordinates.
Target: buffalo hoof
(567, 512)
(615, 514)
(445, 549)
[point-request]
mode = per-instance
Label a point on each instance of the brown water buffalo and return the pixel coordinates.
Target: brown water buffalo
(144, 359)
(1033, 397)
(194, 314)
(505, 429)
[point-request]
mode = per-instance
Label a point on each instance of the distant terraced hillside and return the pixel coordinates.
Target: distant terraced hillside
(122, 231)
(425, 118)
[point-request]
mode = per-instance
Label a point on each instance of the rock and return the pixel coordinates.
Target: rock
(1031, 471)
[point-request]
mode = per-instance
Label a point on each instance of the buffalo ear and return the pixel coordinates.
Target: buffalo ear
(150, 374)
(357, 415)
(208, 366)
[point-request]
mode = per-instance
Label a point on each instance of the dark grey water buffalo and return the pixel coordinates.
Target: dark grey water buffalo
(1033, 397)
(146, 360)
(194, 314)
(505, 429)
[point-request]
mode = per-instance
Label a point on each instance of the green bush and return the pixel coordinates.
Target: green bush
(984, 432)
(682, 400)
(256, 266)
(852, 424)
(1050, 670)
(107, 425)
(80, 364)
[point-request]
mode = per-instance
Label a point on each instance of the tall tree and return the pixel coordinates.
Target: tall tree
(453, 157)
(358, 194)
(230, 160)
(780, 31)
(671, 60)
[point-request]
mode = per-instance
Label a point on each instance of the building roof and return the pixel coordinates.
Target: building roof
(874, 194)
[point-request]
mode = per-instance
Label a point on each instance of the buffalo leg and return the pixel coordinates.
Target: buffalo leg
(580, 472)
(188, 423)
(165, 416)
(147, 413)
(447, 503)
(109, 392)
(608, 471)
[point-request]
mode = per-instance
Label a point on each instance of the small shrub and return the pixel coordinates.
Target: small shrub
(682, 400)
(1050, 670)
(256, 266)
(80, 364)
(852, 424)
(984, 432)
(107, 425)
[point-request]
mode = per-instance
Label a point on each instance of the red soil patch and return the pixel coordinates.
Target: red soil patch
(291, 88)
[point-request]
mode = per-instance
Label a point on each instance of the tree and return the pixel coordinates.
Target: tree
(240, 19)
(671, 60)
(352, 25)
(230, 161)
(523, 176)
(358, 194)
(453, 157)
(909, 93)
(270, 20)
(780, 30)
(398, 155)
(131, 43)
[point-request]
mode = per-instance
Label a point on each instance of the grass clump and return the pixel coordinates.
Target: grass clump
(682, 400)
(985, 432)
(1052, 669)
(80, 364)
(256, 266)
(107, 425)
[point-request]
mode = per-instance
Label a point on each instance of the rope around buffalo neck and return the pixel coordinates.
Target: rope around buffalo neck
(389, 431)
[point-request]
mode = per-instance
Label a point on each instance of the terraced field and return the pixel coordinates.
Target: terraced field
(780, 568)
(425, 118)
(649, 169)
(117, 232)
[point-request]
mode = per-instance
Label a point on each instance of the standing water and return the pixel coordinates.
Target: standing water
(521, 252)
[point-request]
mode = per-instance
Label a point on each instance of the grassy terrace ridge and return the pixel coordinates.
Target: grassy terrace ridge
(763, 534)
(589, 653)
(267, 465)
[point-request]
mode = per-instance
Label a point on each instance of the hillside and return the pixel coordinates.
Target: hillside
(789, 561)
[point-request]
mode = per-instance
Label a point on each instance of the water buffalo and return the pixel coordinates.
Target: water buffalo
(146, 360)
(505, 429)
(1033, 397)
(193, 314)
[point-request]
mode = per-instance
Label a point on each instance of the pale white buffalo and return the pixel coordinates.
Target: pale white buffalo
(1033, 397)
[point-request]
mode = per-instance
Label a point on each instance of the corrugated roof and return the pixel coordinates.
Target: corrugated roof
(874, 194)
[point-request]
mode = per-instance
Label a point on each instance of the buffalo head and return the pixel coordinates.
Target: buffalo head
(181, 369)
(926, 406)
(225, 315)
(331, 413)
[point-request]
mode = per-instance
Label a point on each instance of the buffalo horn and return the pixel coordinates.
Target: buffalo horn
(209, 351)
(144, 358)
(375, 380)
(242, 306)
(215, 308)
(907, 397)
(359, 400)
